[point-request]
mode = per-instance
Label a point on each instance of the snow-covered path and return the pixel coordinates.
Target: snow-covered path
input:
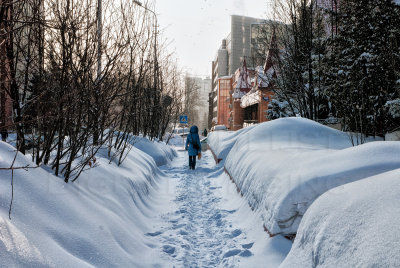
(207, 223)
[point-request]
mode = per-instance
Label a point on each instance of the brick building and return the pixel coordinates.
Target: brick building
(224, 100)
(254, 89)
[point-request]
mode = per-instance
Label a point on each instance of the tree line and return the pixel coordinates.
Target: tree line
(339, 61)
(83, 79)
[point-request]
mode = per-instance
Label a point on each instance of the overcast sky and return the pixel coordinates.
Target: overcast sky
(195, 28)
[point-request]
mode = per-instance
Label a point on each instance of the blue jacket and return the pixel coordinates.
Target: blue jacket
(192, 138)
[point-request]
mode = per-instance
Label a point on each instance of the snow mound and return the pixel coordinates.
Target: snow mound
(159, 151)
(100, 220)
(174, 140)
(282, 166)
(355, 225)
(221, 142)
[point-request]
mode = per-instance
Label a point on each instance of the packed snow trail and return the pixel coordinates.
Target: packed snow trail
(208, 223)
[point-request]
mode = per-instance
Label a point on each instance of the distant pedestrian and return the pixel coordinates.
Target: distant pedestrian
(4, 134)
(193, 146)
(205, 132)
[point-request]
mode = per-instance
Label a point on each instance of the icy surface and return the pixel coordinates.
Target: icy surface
(282, 166)
(354, 225)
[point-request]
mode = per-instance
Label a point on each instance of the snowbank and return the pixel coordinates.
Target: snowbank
(160, 152)
(355, 225)
(174, 140)
(282, 166)
(221, 142)
(99, 220)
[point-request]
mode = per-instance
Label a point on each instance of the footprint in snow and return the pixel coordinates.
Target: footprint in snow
(178, 226)
(183, 232)
(248, 246)
(242, 253)
(246, 253)
(231, 253)
(169, 249)
(154, 234)
(230, 211)
(234, 233)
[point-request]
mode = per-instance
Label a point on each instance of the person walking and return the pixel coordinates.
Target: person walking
(193, 146)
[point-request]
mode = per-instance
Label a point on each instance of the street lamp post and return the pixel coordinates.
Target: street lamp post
(97, 85)
(155, 42)
(156, 100)
(99, 33)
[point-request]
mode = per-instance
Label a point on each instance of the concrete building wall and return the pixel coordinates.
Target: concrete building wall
(223, 62)
(205, 88)
(240, 43)
(201, 110)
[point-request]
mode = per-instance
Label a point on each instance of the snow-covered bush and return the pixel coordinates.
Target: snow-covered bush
(393, 108)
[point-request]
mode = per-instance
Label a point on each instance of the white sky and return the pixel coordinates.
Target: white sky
(195, 28)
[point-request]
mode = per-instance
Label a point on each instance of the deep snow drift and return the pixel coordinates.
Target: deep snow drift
(160, 152)
(99, 220)
(223, 141)
(282, 166)
(354, 225)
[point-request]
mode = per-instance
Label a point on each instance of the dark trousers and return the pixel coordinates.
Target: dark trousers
(192, 161)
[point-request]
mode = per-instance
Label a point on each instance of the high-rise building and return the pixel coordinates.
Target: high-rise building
(197, 93)
(204, 88)
(243, 31)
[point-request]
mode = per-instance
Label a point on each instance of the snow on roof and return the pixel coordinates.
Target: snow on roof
(283, 165)
(243, 84)
(237, 93)
(251, 98)
(264, 79)
(355, 225)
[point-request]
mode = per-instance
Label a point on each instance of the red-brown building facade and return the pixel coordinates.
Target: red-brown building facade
(253, 91)
(224, 100)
